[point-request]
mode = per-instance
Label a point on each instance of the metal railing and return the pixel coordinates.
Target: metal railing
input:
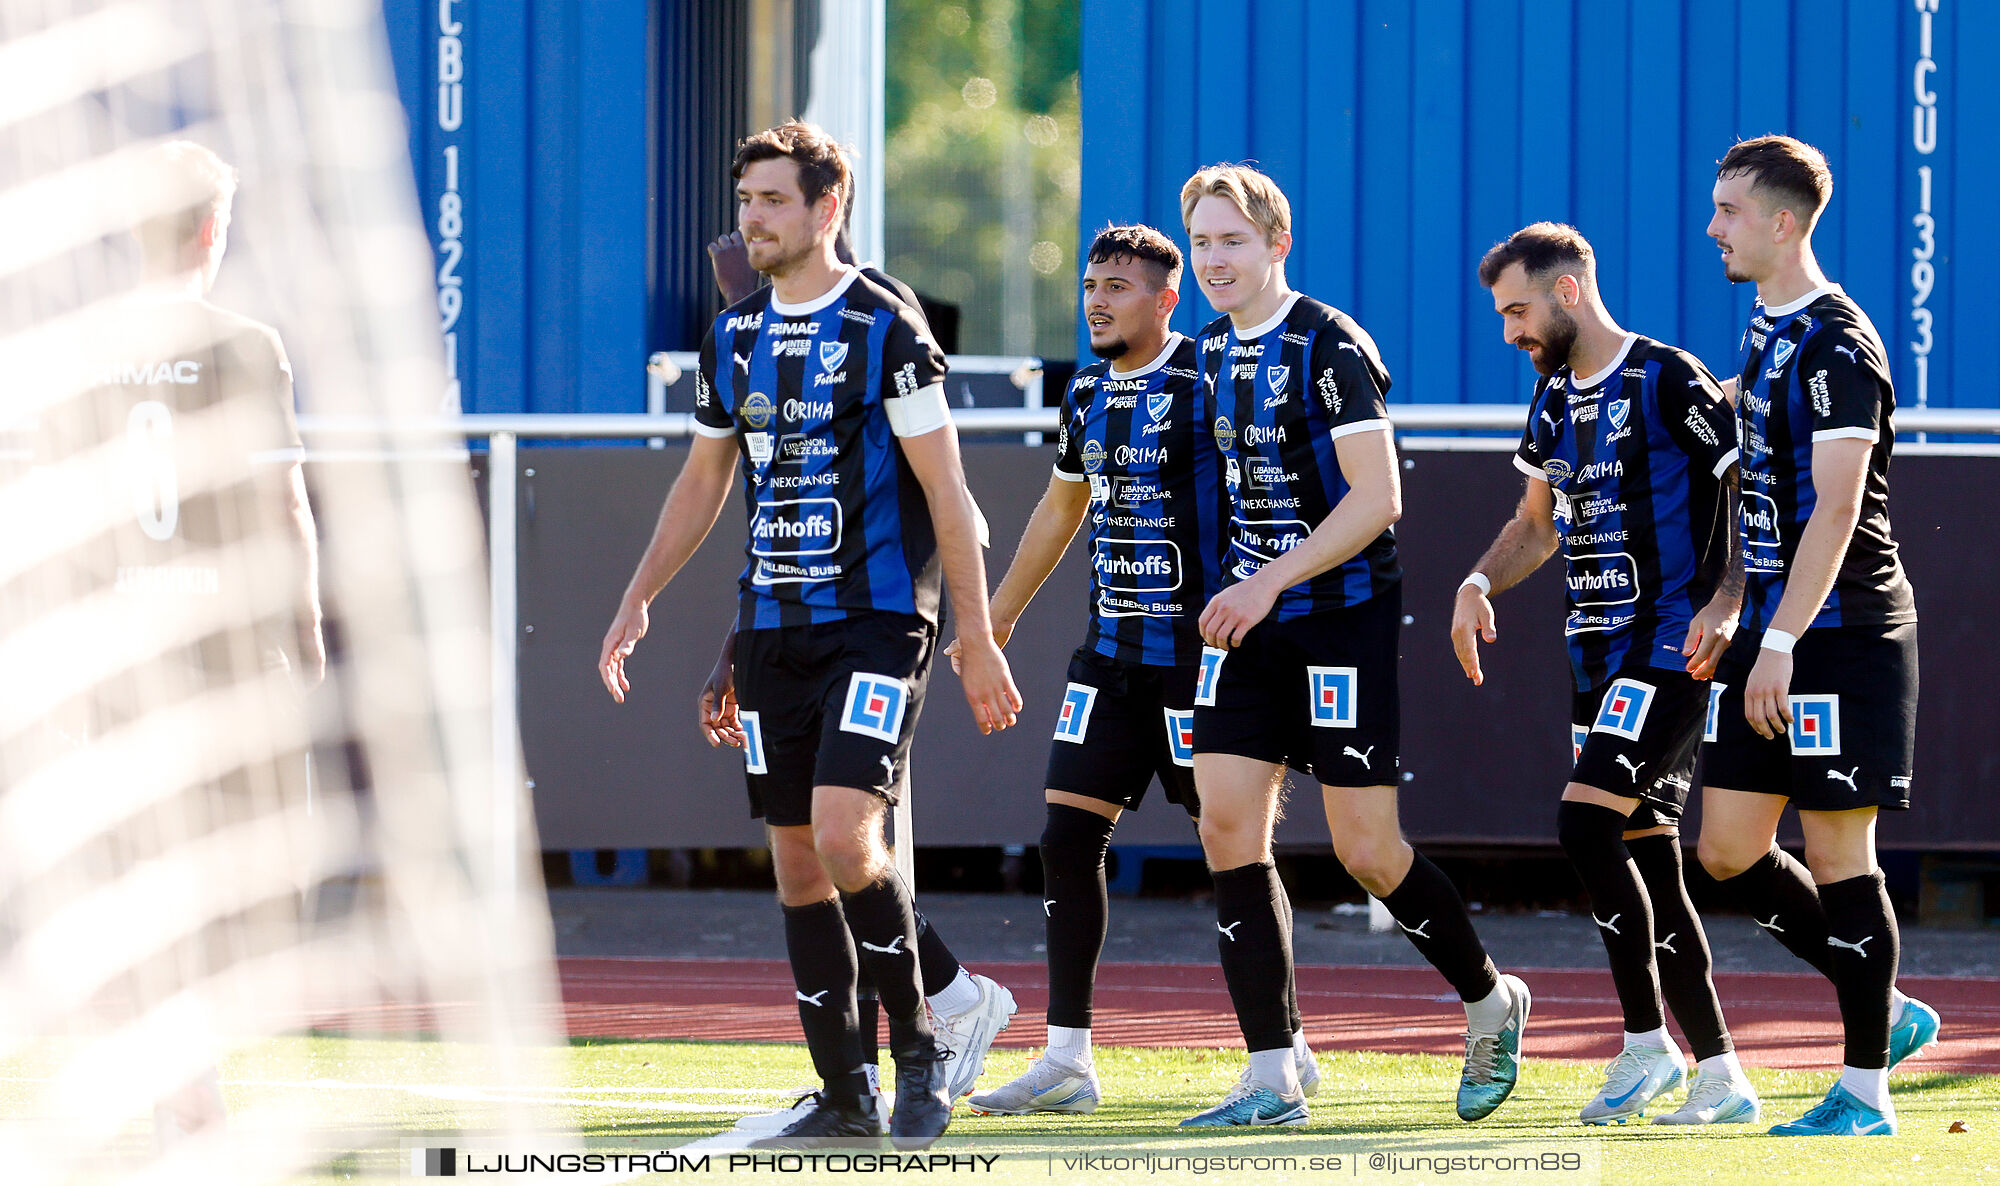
(504, 432)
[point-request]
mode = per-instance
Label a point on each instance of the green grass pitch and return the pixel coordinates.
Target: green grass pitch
(656, 1095)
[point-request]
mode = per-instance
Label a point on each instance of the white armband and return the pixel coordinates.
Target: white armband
(918, 413)
(1478, 581)
(1781, 641)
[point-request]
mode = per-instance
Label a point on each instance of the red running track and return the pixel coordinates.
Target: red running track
(1778, 1020)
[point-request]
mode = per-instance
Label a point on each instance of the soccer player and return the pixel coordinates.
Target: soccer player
(829, 389)
(1135, 457)
(182, 444)
(1300, 667)
(1625, 450)
(1819, 708)
(968, 1010)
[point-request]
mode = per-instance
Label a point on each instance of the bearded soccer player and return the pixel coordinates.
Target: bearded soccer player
(1818, 699)
(828, 387)
(1300, 666)
(1626, 448)
(1135, 458)
(967, 1010)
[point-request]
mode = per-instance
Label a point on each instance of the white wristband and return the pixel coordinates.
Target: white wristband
(1478, 581)
(1780, 641)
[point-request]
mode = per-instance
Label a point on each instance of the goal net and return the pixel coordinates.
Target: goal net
(253, 923)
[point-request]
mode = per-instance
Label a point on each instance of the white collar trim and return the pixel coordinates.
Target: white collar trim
(1786, 310)
(1255, 332)
(1601, 376)
(817, 303)
(1159, 360)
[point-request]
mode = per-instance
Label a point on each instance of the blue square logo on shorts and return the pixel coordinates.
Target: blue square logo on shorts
(1816, 726)
(1180, 736)
(1211, 671)
(1577, 736)
(1715, 692)
(875, 706)
(1074, 719)
(753, 743)
(1332, 691)
(1626, 703)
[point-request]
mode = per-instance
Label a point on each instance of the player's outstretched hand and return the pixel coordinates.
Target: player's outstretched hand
(619, 641)
(1472, 620)
(1709, 635)
(1002, 631)
(1231, 613)
(1767, 704)
(720, 722)
(731, 261)
(989, 687)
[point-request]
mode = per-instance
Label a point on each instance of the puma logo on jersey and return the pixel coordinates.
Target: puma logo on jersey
(1046, 903)
(1417, 930)
(1551, 419)
(813, 1000)
(890, 766)
(1853, 354)
(742, 360)
(1847, 778)
(1609, 924)
(1856, 948)
(1621, 760)
(1769, 926)
(1230, 930)
(1351, 346)
(895, 947)
(1668, 943)
(1360, 755)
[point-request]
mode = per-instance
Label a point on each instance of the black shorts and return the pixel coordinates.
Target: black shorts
(1317, 693)
(832, 704)
(1853, 740)
(1121, 724)
(1637, 734)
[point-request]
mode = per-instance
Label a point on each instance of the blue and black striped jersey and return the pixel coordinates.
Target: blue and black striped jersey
(838, 521)
(1634, 456)
(1815, 370)
(1157, 508)
(1283, 394)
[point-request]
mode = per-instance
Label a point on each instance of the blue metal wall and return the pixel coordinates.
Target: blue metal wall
(528, 128)
(1412, 134)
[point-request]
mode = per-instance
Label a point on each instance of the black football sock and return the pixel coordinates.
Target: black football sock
(935, 963)
(1074, 908)
(1255, 952)
(1863, 939)
(823, 970)
(1781, 898)
(1291, 973)
(885, 928)
(1593, 836)
(870, 1007)
(1427, 906)
(1680, 946)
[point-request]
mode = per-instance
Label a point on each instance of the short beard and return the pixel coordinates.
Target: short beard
(1735, 277)
(1113, 349)
(786, 264)
(1557, 343)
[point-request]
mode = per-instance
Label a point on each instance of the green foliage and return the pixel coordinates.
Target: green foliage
(982, 166)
